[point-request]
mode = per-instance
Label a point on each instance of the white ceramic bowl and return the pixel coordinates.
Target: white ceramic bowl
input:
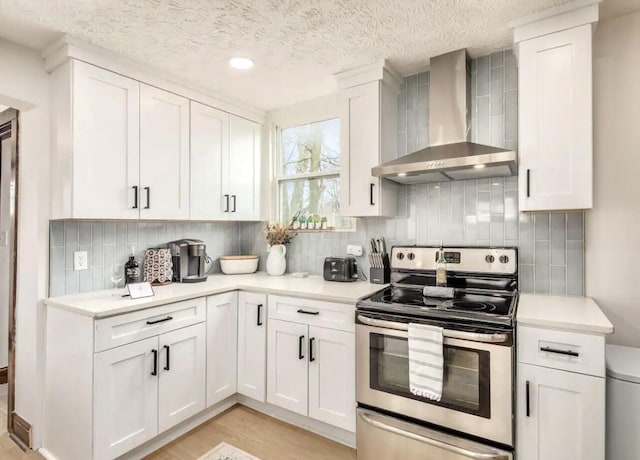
(236, 265)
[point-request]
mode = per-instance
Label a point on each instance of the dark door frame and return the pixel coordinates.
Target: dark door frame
(15, 424)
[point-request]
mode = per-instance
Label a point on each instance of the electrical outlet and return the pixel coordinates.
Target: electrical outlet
(353, 250)
(80, 261)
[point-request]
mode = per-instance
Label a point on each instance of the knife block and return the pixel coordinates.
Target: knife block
(381, 275)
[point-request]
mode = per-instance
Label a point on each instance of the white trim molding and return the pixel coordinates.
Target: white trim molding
(68, 47)
(378, 71)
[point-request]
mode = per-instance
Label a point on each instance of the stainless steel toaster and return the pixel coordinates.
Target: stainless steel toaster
(342, 269)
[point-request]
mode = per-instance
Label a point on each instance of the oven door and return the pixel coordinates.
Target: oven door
(477, 394)
(380, 436)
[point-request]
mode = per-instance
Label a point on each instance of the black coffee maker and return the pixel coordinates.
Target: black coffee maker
(188, 258)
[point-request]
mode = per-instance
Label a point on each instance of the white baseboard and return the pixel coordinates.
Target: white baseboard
(327, 431)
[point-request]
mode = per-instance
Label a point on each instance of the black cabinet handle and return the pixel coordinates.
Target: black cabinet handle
(135, 197)
(311, 358)
(155, 362)
(234, 203)
(528, 183)
(560, 352)
(226, 197)
(148, 190)
(371, 194)
(300, 340)
(305, 312)
(166, 366)
(528, 400)
(168, 318)
(259, 322)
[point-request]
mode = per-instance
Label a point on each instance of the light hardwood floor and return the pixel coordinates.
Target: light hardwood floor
(257, 434)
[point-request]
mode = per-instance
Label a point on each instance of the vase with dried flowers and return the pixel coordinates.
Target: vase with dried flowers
(278, 235)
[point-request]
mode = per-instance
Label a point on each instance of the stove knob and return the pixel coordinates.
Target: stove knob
(400, 256)
(490, 259)
(504, 259)
(411, 256)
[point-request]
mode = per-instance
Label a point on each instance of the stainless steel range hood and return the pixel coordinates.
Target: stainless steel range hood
(451, 156)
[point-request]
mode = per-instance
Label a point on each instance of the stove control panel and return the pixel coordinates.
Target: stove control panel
(472, 260)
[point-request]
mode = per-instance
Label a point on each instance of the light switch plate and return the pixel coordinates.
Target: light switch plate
(80, 260)
(353, 250)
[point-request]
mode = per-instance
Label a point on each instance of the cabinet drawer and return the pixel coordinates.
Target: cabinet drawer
(569, 351)
(122, 329)
(315, 313)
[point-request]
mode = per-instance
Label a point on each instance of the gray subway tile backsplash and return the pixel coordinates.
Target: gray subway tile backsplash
(472, 212)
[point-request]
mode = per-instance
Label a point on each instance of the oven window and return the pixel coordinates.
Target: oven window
(466, 384)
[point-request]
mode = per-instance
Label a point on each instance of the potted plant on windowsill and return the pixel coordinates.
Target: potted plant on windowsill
(278, 235)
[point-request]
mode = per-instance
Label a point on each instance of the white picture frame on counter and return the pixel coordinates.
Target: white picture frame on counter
(140, 290)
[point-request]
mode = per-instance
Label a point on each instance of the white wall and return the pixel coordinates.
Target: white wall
(24, 86)
(613, 226)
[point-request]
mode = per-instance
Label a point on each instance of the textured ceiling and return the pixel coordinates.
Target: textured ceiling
(297, 45)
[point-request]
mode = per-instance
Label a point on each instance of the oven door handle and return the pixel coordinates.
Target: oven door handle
(432, 442)
(473, 336)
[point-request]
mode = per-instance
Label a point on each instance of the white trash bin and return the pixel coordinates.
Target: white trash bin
(623, 403)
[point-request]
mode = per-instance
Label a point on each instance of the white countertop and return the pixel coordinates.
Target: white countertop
(100, 304)
(572, 313)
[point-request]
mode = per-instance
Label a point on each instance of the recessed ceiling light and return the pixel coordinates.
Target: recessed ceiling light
(479, 166)
(241, 63)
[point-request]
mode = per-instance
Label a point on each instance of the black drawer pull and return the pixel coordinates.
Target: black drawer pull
(528, 400)
(528, 183)
(560, 352)
(226, 197)
(300, 340)
(168, 318)
(305, 312)
(155, 362)
(259, 322)
(148, 190)
(234, 203)
(371, 195)
(166, 366)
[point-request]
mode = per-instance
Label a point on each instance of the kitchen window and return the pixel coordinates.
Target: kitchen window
(308, 176)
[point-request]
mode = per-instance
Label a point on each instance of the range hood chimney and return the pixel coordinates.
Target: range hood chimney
(451, 156)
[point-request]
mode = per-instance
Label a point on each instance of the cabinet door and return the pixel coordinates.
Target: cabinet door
(222, 346)
(243, 166)
(287, 371)
(252, 345)
(125, 398)
(164, 154)
(332, 377)
(565, 419)
(105, 144)
(209, 145)
(181, 390)
(556, 121)
(360, 137)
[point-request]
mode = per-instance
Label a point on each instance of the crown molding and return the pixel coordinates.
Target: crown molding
(377, 71)
(68, 47)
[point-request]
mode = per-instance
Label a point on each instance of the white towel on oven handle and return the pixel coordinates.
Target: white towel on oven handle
(426, 361)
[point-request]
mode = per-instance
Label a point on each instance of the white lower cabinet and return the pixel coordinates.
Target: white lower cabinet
(125, 398)
(222, 339)
(564, 416)
(332, 377)
(287, 367)
(311, 369)
(252, 345)
(181, 386)
(147, 387)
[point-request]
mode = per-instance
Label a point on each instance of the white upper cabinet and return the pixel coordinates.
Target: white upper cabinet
(367, 139)
(123, 149)
(209, 145)
(95, 136)
(164, 154)
(242, 167)
(555, 112)
(225, 165)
